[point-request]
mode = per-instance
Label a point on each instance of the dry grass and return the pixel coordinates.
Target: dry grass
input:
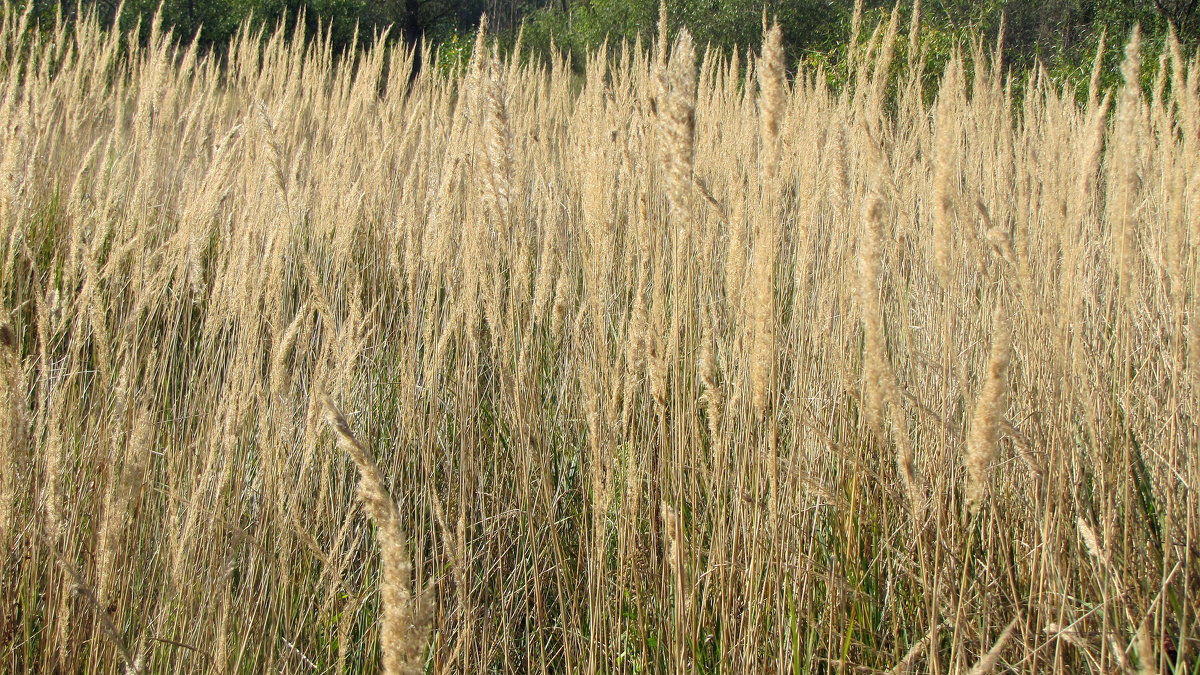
(668, 368)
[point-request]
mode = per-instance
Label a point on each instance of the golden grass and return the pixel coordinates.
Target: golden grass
(675, 366)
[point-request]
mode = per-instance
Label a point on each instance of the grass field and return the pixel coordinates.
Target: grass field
(686, 364)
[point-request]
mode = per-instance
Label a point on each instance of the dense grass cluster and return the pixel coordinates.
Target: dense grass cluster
(681, 366)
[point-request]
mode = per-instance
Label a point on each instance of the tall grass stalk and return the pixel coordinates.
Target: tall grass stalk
(673, 364)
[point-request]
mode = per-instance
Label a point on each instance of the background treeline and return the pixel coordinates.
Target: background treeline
(1062, 35)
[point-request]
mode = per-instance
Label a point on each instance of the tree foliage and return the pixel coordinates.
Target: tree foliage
(1063, 35)
(347, 23)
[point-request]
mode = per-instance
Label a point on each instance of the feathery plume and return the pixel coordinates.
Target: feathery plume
(405, 622)
(989, 413)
